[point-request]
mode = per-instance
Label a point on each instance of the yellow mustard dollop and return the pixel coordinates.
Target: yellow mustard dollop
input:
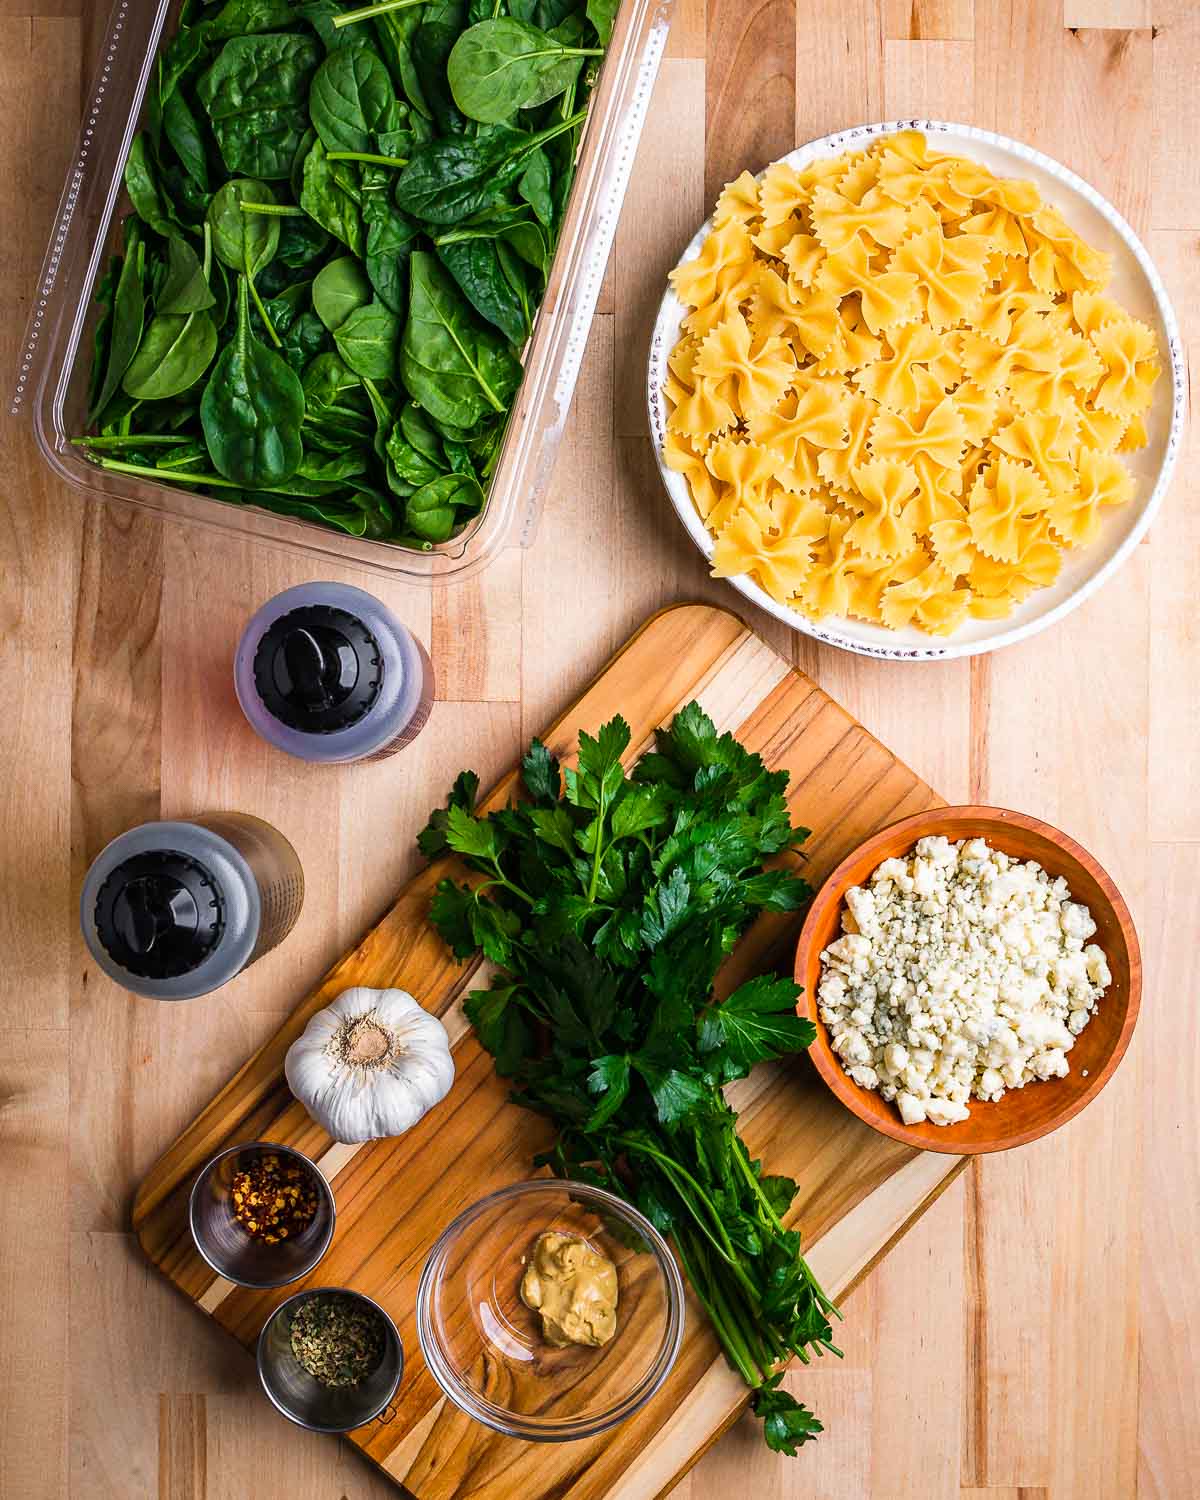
(574, 1288)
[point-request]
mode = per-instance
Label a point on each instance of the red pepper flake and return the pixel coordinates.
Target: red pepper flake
(273, 1202)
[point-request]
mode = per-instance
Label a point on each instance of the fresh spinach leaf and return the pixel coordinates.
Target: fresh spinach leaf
(256, 95)
(367, 341)
(436, 508)
(394, 32)
(186, 287)
(302, 242)
(180, 56)
(243, 241)
(246, 17)
(174, 353)
(411, 465)
(476, 267)
(500, 66)
(325, 199)
(441, 23)
(341, 516)
(452, 178)
(252, 409)
(602, 14)
(128, 316)
(106, 289)
(544, 13)
(303, 339)
(456, 369)
(535, 188)
(182, 129)
(419, 431)
(141, 183)
(390, 240)
(340, 287)
(326, 379)
(350, 98)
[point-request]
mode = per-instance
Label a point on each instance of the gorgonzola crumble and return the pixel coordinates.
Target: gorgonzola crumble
(961, 973)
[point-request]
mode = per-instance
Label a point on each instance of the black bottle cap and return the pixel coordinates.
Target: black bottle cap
(318, 669)
(159, 914)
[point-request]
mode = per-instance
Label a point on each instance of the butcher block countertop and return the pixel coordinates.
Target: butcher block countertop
(1036, 1336)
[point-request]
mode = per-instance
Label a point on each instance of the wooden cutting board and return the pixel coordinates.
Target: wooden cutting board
(859, 1191)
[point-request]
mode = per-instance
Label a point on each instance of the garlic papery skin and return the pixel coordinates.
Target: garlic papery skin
(370, 1065)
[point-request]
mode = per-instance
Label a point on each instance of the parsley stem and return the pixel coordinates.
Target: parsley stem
(502, 879)
(703, 1287)
(743, 1161)
(598, 855)
(670, 1168)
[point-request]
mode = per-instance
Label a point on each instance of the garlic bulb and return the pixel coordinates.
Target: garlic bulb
(370, 1064)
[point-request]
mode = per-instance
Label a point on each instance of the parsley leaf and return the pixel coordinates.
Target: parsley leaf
(450, 914)
(666, 908)
(500, 1025)
(677, 1096)
(553, 825)
(641, 808)
(476, 837)
(540, 773)
(787, 1424)
(757, 1022)
(610, 1077)
(432, 839)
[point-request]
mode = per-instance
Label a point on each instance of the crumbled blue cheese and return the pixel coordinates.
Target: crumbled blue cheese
(961, 973)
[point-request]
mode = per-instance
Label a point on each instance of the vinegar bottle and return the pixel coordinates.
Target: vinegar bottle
(328, 673)
(173, 910)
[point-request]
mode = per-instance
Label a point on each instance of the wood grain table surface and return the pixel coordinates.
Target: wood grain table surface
(1037, 1336)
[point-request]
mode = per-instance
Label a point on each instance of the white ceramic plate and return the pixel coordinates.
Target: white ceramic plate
(1135, 284)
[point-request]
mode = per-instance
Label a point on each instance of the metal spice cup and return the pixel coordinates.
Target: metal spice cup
(226, 1246)
(302, 1398)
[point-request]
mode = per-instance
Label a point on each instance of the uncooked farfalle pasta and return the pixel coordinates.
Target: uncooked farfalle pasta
(900, 391)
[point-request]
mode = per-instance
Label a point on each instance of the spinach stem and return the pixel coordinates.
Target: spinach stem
(551, 131)
(147, 440)
(274, 210)
(379, 161)
(258, 302)
(178, 475)
(368, 12)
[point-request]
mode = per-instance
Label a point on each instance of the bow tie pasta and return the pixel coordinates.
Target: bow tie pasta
(901, 392)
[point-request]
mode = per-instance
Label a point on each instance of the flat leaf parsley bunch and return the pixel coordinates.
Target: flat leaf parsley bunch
(608, 904)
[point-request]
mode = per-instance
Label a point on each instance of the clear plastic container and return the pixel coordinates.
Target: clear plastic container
(53, 374)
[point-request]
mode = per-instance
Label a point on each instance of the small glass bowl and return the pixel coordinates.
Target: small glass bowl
(302, 1399)
(228, 1248)
(484, 1347)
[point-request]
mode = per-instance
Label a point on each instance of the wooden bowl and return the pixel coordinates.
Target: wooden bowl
(1021, 1115)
